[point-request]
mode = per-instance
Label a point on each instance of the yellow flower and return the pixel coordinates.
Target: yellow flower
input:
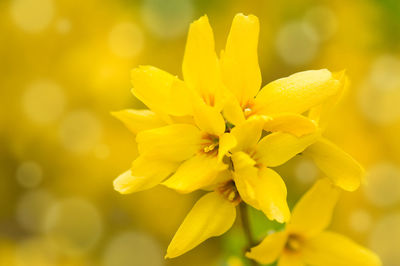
(205, 132)
(305, 241)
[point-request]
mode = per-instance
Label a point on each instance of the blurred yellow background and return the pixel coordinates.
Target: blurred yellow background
(66, 64)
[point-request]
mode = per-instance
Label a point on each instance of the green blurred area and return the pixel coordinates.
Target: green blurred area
(66, 65)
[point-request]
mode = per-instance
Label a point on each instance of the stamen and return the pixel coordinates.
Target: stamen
(293, 243)
(247, 112)
(228, 190)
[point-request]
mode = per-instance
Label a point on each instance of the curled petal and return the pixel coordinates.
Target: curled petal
(277, 148)
(331, 249)
(212, 215)
(296, 93)
(161, 91)
(197, 172)
(270, 249)
(239, 62)
(143, 175)
(339, 166)
(313, 213)
(294, 124)
(200, 67)
(176, 142)
(139, 120)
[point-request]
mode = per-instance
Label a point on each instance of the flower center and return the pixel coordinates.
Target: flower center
(210, 144)
(294, 243)
(229, 191)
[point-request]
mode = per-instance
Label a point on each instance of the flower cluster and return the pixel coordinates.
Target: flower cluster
(216, 130)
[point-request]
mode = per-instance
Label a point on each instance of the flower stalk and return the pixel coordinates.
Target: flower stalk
(245, 219)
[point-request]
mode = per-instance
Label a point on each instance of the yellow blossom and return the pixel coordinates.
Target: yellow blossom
(214, 130)
(305, 240)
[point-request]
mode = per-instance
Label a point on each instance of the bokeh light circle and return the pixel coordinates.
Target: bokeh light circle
(383, 184)
(32, 15)
(297, 43)
(133, 249)
(126, 40)
(32, 208)
(167, 19)
(379, 95)
(80, 131)
(73, 225)
(29, 174)
(385, 239)
(323, 20)
(306, 171)
(43, 101)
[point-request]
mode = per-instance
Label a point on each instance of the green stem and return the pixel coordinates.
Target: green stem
(244, 214)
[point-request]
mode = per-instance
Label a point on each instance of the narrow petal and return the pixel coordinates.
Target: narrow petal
(139, 120)
(143, 175)
(248, 133)
(161, 91)
(277, 148)
(344, 171)
(211, 216)
(313, 213)
(332, 249)
(242, 160)
(296, 93)
(263, 189)
(289, 259)
(294, 124)
(322, 112)
(208, 119)
(271, 195)
(176, 142)
(270, 249)
(196, 173)
(226, 142)
(246, 190)
(233, 111)
(239, 63)
(201, 69)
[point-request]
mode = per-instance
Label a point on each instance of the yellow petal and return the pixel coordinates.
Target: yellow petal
(242, 178)
(211, 216)
(233, 112)
(277, 148)
(139, 120)
(176, 142)
(161, 91)
(263, 189)
(296, 93)
(344, 171)
(197, 172)
(313, 213)
(248, 133)
(208, 119)
(331, 249)
(226, 142)
(270, 249)
(201, 69)
(242, 160)
(239, 62)
(289, 259)
(271, 195)
(295, 124)
(143, 175)
(322, 112)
